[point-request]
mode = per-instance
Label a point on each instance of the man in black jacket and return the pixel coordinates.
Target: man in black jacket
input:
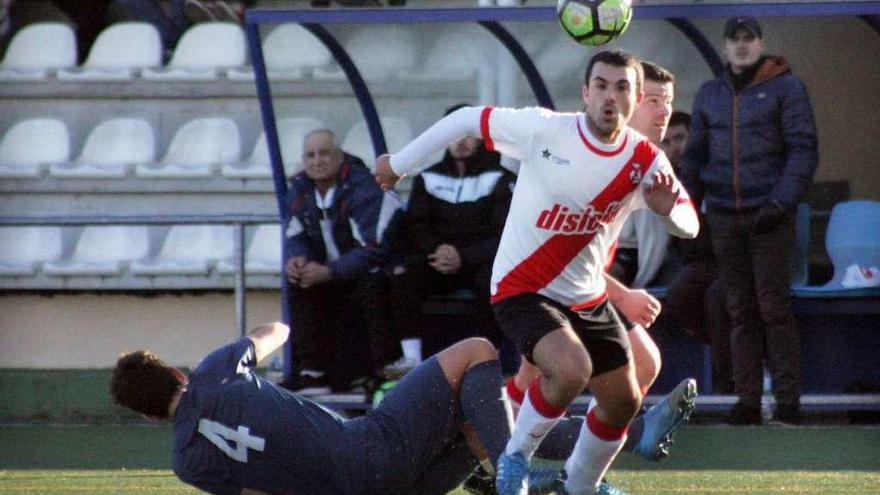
(751, 156)
(451, 229)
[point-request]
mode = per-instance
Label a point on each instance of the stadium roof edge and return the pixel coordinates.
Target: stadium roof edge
(525, 14)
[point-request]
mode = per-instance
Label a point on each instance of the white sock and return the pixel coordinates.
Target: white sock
(595, 450)
(412, 349)
(535, 419)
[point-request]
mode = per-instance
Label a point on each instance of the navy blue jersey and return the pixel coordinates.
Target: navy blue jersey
(233, 430)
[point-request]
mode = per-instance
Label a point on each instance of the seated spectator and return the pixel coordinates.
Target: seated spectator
(448, 240)
(336, 245)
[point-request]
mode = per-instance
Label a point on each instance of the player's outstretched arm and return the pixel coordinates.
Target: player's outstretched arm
(462, 122)
(267, 338)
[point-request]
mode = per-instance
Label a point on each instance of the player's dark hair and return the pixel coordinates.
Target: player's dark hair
(616, 58)
(680, 118)
(143, 382)
(656, 73)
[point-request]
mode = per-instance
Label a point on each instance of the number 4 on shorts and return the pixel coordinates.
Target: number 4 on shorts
(220, 435)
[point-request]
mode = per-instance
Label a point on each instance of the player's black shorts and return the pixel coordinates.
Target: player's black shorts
(526, 318)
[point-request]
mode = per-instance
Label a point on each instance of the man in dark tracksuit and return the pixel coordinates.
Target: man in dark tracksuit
(337, 242)
(449, 236)
(751, 156)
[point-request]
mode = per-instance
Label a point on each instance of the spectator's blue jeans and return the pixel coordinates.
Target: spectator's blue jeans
(170, 26)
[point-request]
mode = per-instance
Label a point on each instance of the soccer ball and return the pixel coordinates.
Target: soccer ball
(594, 22)
(382, 391)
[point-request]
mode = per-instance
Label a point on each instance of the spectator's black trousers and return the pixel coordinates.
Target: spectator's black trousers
(755, 270)
(342, 328)
(410, 288)
(696, 302)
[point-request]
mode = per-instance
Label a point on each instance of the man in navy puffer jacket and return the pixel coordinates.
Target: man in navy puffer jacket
(338, 237)
(751, 156)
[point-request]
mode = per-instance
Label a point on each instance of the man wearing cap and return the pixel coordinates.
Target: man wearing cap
(752, 154)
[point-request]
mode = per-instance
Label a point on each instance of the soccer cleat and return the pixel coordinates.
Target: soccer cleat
(606, 488)
(544, 481)
(513, 474)
(664, 419)
(397, 369)
(479, 482)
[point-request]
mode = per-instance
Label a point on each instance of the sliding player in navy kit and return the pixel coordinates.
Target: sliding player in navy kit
(236, 433)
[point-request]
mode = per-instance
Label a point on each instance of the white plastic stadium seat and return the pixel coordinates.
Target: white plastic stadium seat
(37, 49)
(291, 132)
(456, 54)
(284, 63)
(189, 250)
(378, 56)
(32, 144)
(263, 255)
(111, 150)
(202, 52)
(23, 249)
(102, 251)
(118, 52)
(196, 149)
(398, 134)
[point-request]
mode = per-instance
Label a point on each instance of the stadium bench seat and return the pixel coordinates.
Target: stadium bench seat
(32, 144)
(38, 49)
(197, 149)
(455, 54)
(284, 63)
(263, 254)
(291, 132)
(851, 239)
(24, 249)
(102, 251)
(119, 52)
(203, 52)
(188, 250)
(111, 150)
(378, 56)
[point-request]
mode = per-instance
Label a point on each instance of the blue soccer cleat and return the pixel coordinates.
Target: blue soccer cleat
(663, 419)
(608, 489)
(513, 474)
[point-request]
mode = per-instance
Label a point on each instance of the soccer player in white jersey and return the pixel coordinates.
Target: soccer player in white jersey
(649, 435)
(580, 176)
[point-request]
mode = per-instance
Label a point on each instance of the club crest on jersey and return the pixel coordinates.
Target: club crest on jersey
(636, 174)
(587, 221)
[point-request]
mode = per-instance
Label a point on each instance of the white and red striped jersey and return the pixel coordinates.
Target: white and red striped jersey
(572, 196)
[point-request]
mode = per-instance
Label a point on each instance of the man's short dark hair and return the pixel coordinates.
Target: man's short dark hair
(680, 118)
(143, 382)
(615, 58)
(656, 73)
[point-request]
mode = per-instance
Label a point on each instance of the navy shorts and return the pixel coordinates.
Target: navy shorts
(417, 429)
(527, 318)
